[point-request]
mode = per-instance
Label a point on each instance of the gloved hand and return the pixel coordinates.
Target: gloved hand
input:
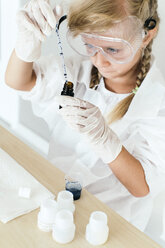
(35, 22)
(87, 119)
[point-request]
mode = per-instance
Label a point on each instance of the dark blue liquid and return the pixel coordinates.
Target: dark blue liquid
(75, 188)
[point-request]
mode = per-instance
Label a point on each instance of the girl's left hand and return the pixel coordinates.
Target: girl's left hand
(87, 119)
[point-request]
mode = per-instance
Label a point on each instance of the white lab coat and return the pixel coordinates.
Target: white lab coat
(141, 131)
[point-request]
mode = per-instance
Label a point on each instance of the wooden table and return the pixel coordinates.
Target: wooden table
(23, 232)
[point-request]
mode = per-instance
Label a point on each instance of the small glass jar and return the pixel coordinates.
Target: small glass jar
(74, 183)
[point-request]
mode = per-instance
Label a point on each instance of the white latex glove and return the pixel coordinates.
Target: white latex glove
(35, 22)
(87, 119)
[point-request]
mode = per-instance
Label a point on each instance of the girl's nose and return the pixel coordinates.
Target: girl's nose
(100, 60)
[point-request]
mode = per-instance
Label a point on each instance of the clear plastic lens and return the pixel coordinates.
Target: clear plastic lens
(113, 50)
(118, 45)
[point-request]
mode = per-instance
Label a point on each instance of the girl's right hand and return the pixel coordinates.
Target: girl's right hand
(35, 22)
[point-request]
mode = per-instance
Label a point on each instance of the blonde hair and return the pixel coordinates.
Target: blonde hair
(98, 16)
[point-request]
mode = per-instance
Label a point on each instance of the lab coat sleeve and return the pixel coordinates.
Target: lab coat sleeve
(146, 144)
(49, 83)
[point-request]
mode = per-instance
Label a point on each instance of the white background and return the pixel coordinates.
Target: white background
(16, 114)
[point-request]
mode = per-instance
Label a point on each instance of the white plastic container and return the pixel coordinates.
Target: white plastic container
(64, 227)
(97, 230)
(47, 214)
(65, 201)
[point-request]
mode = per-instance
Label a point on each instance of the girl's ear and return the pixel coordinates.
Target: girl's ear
(150, 34)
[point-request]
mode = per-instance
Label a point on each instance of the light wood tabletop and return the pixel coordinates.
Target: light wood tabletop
(23, 232)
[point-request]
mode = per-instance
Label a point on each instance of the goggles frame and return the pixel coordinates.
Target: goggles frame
(99, 48)
(104, 38)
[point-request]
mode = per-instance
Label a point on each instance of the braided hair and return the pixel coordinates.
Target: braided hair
(96, 15)
(152, 18)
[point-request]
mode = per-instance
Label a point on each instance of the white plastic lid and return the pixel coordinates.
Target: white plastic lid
(97, 230)
(65, 197)
(43, 225)
(64, 219)
(48, 210)
(98, 219)
(65, 201)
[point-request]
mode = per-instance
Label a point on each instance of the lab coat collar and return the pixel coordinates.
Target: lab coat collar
(147, 101)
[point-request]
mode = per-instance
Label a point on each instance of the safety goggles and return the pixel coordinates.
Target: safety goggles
(119, 44)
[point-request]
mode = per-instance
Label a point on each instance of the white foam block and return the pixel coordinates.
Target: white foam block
(24, 192)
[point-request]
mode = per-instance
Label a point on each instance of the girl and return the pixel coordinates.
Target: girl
(112, 130)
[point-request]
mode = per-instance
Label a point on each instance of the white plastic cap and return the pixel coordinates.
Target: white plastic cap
(65, 197)
(97, 230)
(24, 192)
(98, 219)
(64, 218)
(47, 214)
(48, 210)
(43, 226)
(64, 227)
(65, 201)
